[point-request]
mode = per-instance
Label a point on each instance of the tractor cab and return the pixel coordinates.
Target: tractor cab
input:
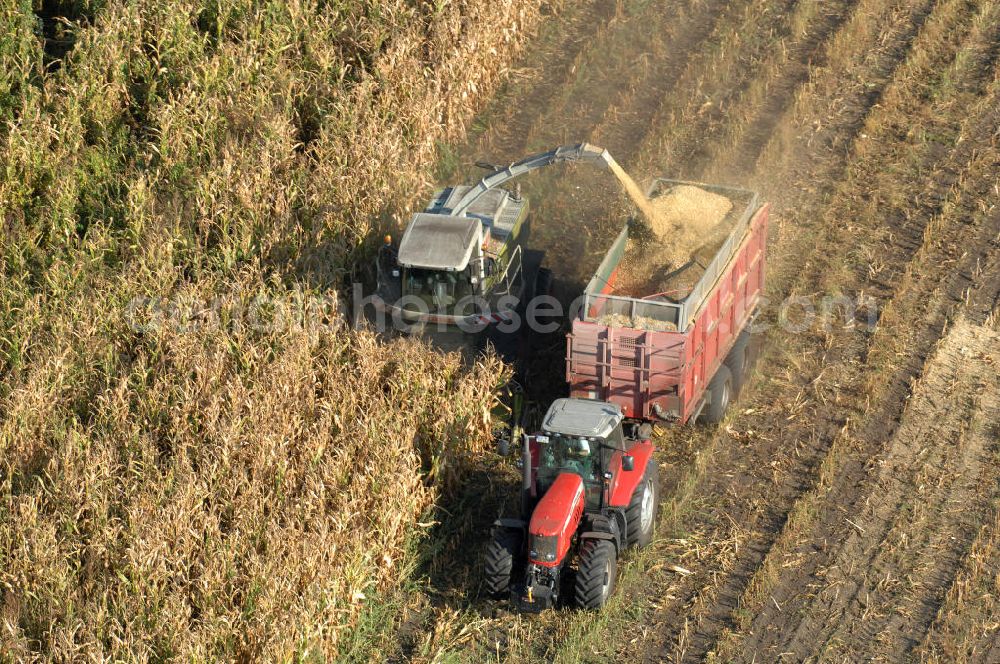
(582, 437)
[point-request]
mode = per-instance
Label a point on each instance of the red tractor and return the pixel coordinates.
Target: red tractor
(590, 489)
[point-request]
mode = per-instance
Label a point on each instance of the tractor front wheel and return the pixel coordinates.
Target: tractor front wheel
(640, 515)
(595, 579)
(500, 557)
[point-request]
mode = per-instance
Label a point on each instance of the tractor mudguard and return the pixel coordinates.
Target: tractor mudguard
(597, 534)
(606, 527)
(510, 524)
(625, 481)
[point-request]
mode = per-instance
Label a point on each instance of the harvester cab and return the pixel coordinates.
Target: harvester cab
(590, 489)
(449, 268)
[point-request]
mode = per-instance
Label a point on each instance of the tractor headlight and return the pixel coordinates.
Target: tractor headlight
(544, 548)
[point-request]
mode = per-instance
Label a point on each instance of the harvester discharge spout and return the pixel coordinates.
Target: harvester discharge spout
(564, 153)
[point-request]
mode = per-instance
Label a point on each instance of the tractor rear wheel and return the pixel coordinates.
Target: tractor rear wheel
(640, 515)
(501, 555)
(721, 389)
(595, 578)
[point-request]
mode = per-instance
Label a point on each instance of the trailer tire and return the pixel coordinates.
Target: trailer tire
(739, 361)
(721, 390)
(595, 578)
(640, 515)
(501, 555)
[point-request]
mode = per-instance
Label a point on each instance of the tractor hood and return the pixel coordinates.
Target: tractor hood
(555, 512)
(439, 242)
(555, 519)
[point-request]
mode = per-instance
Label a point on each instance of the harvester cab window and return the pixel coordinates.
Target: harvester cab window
(441, 288)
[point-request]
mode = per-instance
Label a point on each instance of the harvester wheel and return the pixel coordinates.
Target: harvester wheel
(595, 579)
(500, 556)
(721, 389)
(738, 361)
(543, 282)
(640, 515)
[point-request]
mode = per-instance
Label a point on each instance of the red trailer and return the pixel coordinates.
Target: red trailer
(681, 355)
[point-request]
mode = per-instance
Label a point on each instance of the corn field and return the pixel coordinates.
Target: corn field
(212, 489)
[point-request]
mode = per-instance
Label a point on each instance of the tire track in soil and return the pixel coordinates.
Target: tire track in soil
(695, 110)
(882, 63)
(965, 629)
(901, 558)
(737, 157)
(741, 122)
(965, 503)
(586, 89)
(623, 133)
(563, 43)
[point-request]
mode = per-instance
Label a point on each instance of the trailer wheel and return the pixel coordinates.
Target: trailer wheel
(500, 556)
(595, 580)
(721, 389)
(738, 361)
(640, 515)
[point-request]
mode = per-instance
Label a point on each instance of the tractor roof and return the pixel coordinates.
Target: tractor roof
(438, 241)
(582, 417)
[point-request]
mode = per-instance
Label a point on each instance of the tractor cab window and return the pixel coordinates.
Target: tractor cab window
(615, 442)
(615, 439)
(573, 454)
(580, 455)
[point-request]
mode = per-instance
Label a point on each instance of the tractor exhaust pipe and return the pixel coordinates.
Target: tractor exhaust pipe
(525, 476)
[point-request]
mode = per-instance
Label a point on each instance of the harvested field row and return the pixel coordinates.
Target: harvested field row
(919, 514)
(832, 242)
(928, 296)
(832, 373)
(965, 628)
